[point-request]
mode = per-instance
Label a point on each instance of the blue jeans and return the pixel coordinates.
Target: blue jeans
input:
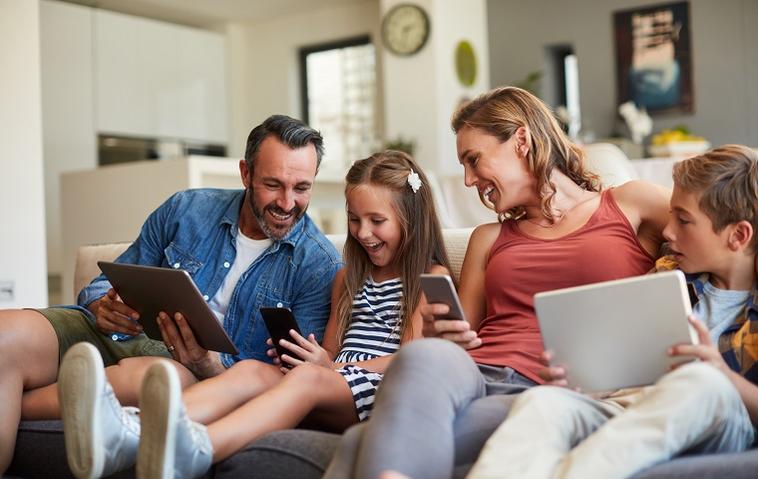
(434, 411)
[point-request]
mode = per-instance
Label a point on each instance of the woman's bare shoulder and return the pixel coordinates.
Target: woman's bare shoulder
(638, 192)
(485, 235)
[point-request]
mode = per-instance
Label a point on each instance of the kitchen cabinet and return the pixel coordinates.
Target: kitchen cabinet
(153, 79)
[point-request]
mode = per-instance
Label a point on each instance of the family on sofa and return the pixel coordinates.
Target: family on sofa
(257, 248)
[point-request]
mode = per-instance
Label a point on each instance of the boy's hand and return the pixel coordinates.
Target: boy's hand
(705, 351)
(552, 375)
(454, 330)
(306, 351)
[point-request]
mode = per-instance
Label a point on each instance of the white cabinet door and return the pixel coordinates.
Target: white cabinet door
(202, 85)
(123, 103)
(154, 79)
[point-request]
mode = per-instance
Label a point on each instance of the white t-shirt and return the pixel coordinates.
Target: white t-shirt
(248, 251)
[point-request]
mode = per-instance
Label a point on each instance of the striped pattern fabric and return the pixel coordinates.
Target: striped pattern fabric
(374, 331)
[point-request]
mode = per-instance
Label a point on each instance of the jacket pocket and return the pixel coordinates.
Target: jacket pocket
(273, 299)
(179, 259)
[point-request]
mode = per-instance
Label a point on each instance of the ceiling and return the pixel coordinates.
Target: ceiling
(208, 13)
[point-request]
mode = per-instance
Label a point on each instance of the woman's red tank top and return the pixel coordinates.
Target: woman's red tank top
(519, 266)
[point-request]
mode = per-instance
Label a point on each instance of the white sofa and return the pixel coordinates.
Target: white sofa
(303, 454)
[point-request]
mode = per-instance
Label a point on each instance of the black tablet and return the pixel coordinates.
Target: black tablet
(150, 290)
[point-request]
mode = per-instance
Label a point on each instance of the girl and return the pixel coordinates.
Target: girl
(394, 236)
(557, 229)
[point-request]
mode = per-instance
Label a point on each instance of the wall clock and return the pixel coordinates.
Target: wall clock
(405, 29)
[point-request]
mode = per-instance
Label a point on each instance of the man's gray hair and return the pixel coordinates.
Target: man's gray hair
(290, 131)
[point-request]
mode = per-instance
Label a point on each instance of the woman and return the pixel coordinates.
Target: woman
(558, 229)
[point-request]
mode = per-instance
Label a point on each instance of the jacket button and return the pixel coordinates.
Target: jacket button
(176, 265)
(279, 305)
(226, 264)
(205, 297)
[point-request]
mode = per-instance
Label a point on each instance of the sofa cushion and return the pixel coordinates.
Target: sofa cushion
(305, 454)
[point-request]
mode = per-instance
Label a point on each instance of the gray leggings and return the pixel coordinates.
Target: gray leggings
(433, 413)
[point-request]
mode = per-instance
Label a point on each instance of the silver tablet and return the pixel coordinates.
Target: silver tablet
(615, 334)
(150, 290)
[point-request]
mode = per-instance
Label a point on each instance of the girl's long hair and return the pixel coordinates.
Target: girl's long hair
(421, 243)
(502, 111)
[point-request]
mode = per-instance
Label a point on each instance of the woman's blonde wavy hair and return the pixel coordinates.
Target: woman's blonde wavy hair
(421, 243)
(502, 111)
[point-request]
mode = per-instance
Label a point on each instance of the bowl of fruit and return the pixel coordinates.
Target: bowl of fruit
(677, 141)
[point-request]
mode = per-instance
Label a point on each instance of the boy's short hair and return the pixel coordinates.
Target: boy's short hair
(727, 180)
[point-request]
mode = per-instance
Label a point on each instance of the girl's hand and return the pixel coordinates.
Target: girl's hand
(306, 351)
(454, 330)
(271, 352)
(705, 351)
(552, 375)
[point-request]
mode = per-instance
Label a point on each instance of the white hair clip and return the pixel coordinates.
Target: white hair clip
(414, 180)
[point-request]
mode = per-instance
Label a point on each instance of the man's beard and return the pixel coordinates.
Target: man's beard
(272, 232)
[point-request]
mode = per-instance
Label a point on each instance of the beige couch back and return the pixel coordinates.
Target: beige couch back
(456, 242)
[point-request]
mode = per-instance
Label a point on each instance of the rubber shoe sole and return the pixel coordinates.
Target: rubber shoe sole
(80, 381)
(159, 402)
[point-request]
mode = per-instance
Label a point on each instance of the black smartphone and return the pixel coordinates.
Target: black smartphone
(439, 288)
(279, 322)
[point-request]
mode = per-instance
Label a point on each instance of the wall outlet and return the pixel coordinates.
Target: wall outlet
(6, 291)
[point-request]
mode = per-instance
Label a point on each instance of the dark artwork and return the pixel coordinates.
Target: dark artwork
(653, 57)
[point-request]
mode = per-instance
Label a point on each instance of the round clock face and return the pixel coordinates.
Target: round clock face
(405, 29)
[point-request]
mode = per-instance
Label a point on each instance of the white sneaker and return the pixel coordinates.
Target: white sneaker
(101, 436)
(171, 445)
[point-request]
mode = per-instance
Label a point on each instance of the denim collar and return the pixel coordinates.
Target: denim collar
(232, 214)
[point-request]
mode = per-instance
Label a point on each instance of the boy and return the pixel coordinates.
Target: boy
(705, 406)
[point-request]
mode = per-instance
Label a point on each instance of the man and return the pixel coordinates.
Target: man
(245, 249)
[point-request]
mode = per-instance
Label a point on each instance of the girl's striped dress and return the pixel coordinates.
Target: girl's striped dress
(374, 331)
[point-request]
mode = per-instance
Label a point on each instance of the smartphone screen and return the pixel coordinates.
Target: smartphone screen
(279, 322)
(439, 288)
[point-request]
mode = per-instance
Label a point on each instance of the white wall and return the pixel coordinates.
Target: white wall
(422, 91)
(68, 116)
(22, 208)
(724, 64)
(264, 65)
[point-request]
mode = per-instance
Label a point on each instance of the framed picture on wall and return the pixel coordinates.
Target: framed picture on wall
(654, 57)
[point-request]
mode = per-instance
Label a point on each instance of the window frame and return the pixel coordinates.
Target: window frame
(321, 47)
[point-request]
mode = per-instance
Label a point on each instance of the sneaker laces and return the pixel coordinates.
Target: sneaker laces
(129, 416)
(198, 433)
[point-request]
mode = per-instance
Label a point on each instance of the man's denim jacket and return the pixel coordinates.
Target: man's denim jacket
(196, 230)
(738, 345)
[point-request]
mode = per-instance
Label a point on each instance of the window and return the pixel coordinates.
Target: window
(562, 85)
(339, 99)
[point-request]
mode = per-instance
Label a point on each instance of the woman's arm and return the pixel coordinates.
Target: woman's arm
(471, 293)
(646, 206)
(471, 288)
